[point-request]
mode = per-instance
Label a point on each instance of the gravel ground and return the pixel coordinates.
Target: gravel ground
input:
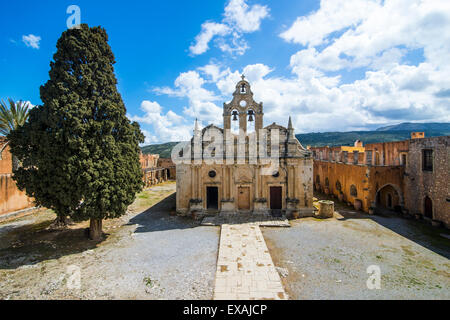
(328, 259)
(147, 255)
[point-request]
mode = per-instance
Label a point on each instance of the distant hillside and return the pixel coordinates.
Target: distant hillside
(320, 139)
(348, 138)
(164, 150)
(409, 126)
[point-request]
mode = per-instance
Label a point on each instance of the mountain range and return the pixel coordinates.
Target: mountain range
(397, 132)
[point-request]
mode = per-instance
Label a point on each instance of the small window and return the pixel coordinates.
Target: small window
(355, 157)
(369, 158)
(345, 157)
(338, 185)
(427, 159)
(353, 191)
(403, 159)
(212, 174)
(327, 182)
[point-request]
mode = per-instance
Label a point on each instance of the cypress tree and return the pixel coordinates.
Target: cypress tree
(79, 152)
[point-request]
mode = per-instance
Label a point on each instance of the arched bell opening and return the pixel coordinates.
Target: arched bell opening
(250, 121)
(234, 122)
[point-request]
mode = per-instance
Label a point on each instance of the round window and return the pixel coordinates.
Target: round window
(276, 174)
(212, 174)
(243, 103)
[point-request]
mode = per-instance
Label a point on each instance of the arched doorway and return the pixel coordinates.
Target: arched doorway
(428, 207)
(389, 198)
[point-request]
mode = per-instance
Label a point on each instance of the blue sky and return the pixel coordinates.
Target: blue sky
(331, 64)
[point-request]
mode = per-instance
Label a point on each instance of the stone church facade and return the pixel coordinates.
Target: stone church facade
(266, 171)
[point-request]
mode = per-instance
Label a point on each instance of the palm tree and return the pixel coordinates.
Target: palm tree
(11, 118)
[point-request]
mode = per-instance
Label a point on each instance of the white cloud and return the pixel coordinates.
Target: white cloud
(165, 127)
(239, 18)
(243, 17)
(209, 30)
(332, 16)
(200, 100)
(379, 37)
(321, 103)
(31, 41)
(382, 34)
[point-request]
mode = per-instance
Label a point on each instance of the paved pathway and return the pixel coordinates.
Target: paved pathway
(245, 269)
(258, 219)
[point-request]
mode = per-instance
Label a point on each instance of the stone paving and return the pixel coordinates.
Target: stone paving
(245, 270)
(258, 219)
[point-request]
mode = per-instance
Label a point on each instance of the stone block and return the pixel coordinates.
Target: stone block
(326, 209)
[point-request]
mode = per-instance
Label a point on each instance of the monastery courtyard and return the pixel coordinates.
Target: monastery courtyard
(150, 253)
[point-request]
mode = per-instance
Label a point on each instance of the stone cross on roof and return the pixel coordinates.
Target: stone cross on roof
(243, 77)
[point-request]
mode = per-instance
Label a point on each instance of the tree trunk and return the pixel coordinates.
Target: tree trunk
(60, 223)
(95, 229)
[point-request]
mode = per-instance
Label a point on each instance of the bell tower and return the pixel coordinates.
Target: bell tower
(243, 106)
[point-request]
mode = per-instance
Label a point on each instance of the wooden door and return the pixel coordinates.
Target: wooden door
(212, 198)
(244, 198)
(275, 198)
(428, 208)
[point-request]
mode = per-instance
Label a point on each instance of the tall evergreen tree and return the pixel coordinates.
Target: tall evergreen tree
(79, 151)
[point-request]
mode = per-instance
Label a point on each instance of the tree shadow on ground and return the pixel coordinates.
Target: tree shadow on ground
(162, 216)
(33, 243)
(419, 232)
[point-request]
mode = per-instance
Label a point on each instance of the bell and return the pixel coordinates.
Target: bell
(250, 115)
(235, 115)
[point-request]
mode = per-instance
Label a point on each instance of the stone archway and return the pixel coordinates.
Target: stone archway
(389, 197)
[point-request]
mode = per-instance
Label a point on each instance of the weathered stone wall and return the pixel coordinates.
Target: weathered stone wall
(149, 160)
(386, 179)
(434, 184)
(5, 157)
(295, 179)
(168, 164)
(389, 153)
(381, 154)
(338, 179)
(11, 198)
(152, 172)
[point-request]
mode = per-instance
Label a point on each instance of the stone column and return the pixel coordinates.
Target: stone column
(295, 180)
(258, 122)
(243, 121)
(199, 184)
(226, 121)
(193, 189)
